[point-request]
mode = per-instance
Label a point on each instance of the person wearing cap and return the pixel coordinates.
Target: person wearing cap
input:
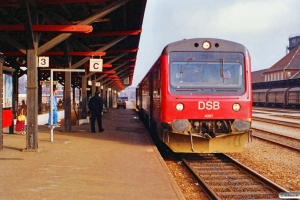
(54, 107)
(96, 106)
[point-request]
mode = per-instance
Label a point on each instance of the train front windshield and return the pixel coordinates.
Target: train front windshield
(215, 73)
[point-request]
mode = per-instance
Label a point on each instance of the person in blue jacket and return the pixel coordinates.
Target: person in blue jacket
(54, 107)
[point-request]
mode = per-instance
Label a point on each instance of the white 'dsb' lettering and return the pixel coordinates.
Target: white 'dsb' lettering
(209, 105)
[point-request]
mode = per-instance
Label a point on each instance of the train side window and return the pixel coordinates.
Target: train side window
(156, 82)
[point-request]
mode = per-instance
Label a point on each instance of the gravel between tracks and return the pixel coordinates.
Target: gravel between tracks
(276, 163)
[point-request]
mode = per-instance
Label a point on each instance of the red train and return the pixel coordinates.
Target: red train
(197, 96)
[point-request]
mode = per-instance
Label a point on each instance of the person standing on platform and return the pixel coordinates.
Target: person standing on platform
(54, 107)
(23, 109)
(96, 107)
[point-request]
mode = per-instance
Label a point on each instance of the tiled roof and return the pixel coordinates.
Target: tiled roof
(290, 61)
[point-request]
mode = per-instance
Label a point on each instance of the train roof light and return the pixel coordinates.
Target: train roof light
(206, 45)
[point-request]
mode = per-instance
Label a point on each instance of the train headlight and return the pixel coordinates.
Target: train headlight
(179, 107)
(236, 107)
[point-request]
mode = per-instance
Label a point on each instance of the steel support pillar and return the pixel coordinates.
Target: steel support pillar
(84, 97)
(32, 101)
(67, 100)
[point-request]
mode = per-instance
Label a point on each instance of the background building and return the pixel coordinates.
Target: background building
(287, 67)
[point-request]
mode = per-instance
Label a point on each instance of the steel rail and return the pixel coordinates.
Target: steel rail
(214, 195)
(276, 134)
(276, 142)
(261, 178)
(209, 191)
(278, 122)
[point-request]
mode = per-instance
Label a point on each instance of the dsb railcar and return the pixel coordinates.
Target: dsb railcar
(197, 96)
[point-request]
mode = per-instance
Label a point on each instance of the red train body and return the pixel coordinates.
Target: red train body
(197, 96)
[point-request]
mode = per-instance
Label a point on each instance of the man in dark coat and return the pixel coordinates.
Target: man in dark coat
(96, 107)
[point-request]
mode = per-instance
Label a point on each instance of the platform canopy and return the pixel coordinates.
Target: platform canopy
(70, 33)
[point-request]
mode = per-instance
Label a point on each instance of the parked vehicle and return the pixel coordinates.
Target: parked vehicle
(121, 103)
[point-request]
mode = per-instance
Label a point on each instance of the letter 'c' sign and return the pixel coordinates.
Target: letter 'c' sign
(96, 65)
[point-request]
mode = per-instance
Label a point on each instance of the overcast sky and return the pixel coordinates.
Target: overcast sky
(263, 26)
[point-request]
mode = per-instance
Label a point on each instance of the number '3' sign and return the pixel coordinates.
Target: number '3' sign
(43, 61)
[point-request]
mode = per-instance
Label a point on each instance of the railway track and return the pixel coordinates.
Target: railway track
(277, 122)
(278, 139)
(222, 177)
(275, 110)
(286, 116)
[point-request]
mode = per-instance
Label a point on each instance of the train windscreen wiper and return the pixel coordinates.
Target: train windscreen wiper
(181, 72)
(222, 69)
(187, 63)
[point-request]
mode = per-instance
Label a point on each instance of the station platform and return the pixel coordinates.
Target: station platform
(120, 163)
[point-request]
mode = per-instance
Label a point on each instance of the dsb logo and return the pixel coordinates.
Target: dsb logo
(209, 105)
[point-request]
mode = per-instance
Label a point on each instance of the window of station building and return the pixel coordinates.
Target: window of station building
(288, 74)
(278, 76)
(274, 75)
(281, 75)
